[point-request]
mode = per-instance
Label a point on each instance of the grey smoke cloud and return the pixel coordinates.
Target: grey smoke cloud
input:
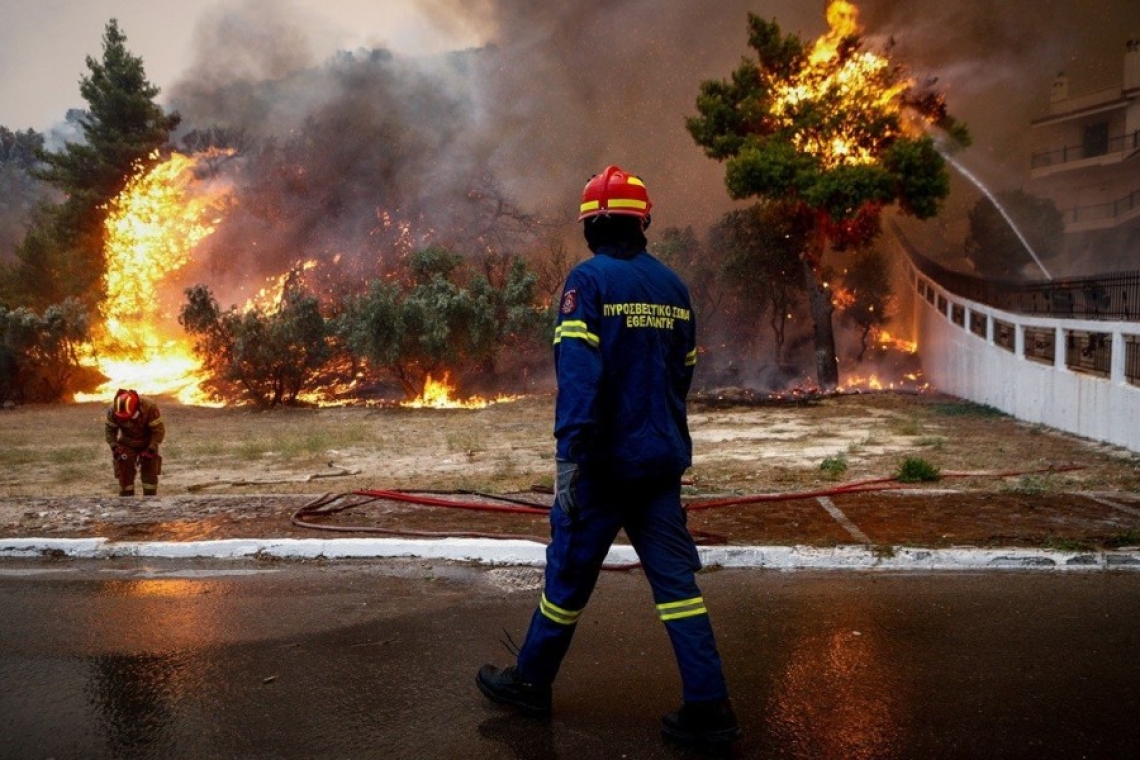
(563, 89)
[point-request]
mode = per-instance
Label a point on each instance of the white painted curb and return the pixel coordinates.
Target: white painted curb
(521, 552)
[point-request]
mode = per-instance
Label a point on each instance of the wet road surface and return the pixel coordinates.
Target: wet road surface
(372, 659)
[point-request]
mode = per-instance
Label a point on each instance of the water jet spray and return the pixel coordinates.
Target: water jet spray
(1001, 210)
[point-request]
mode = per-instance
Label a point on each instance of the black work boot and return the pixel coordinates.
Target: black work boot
(503, 686)
(708, 724)
(127, 492)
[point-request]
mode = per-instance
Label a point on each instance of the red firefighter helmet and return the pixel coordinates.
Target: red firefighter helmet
(615, 191)
(125, 405)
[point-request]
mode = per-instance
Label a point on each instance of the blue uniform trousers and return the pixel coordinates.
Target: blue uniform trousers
(650, 512)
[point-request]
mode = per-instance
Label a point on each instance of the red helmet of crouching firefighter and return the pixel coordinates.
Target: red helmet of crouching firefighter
(615, 191)
(134, 429)
(126, 405)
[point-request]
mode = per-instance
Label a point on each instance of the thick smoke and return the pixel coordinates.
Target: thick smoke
(368, 139)
(564, 88)
(360, 151)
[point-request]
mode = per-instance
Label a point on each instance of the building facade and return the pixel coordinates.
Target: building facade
(1086, 159)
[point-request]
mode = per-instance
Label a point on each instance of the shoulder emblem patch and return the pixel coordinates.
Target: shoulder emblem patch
(569, 301)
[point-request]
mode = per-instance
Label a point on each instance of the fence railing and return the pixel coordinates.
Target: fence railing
(1064, 354)
(1115, 296)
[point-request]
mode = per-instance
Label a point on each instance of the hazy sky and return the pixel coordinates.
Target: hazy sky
(44, 43)
(601, 81)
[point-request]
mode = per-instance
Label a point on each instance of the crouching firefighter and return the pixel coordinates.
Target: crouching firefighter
(624, 353)
(134, 430)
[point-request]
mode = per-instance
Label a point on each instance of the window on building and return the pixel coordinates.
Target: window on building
(1095, 139)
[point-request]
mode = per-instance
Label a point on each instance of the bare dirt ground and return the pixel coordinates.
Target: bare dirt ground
(235, 472)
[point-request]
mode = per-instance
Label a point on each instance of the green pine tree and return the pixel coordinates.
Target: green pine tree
(825, 133)
(123, 129)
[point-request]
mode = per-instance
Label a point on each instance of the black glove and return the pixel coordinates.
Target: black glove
(566, 488)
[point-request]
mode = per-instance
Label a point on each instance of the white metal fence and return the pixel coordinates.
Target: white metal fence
(1078, 375)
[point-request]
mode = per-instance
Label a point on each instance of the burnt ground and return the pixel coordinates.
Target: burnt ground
(232, 473)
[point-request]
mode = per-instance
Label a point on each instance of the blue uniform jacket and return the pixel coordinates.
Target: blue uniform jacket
(624, 352)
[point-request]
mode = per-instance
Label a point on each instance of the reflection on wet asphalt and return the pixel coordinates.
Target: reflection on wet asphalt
(127, 659)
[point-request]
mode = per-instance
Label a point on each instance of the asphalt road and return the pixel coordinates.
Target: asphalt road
(376, 659)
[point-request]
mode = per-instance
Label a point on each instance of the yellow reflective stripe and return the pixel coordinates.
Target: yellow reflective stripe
(575, 329)
(691, 358)
(682, 609)
(589, 206)
(626, 203)
(156, 422)
(556, 613)
(634, 181)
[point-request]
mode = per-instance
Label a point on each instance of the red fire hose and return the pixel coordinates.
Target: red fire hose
(330, 504)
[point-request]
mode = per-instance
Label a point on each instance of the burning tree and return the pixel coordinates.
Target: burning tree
(269, 358)
(868, 282)
(151, 230)
(830, 129)
(434, 322)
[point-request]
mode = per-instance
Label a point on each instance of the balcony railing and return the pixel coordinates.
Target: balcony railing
(1119, 144)
(1104, 211)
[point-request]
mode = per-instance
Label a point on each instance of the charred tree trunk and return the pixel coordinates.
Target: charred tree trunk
(778, 323)
(819, 297)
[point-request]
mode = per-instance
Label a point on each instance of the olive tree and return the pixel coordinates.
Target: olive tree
(268, 358)
(40, 352)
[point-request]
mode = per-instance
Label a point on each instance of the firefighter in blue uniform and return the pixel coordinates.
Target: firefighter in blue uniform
(624, 351)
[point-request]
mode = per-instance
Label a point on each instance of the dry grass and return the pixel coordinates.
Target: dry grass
(59, 450)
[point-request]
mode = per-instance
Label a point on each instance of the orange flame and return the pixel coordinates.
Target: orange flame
(911, 381)
(843, 22)
(842, 298)
(844, 90)
(152, 229)
(437, 394)
(884, 338)
(269, 297)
